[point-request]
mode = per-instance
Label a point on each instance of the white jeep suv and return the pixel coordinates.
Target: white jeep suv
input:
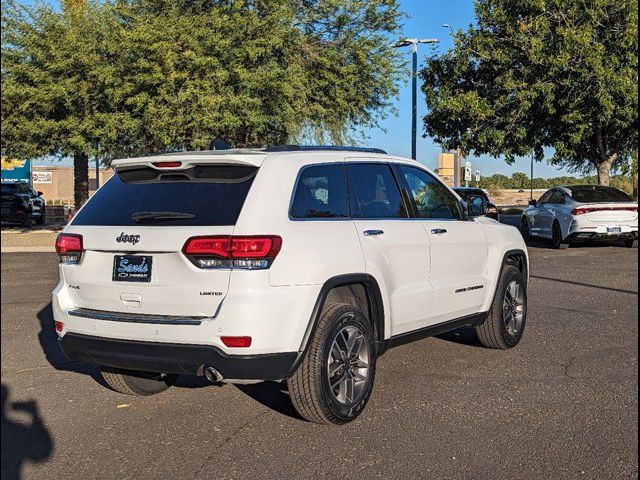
(297, 264)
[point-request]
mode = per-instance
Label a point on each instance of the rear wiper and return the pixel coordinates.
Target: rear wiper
(151, 216)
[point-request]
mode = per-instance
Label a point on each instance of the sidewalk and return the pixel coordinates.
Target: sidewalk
(35, 239)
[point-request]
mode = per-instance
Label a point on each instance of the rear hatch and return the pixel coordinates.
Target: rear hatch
(134, 228)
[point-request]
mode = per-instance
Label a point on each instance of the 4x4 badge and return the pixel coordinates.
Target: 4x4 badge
(132, 239)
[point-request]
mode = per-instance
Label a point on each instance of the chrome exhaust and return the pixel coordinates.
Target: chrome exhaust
(212, 375)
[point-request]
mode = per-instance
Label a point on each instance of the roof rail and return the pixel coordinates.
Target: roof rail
(317, 148)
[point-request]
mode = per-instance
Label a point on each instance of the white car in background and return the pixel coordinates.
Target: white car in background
(582, 212)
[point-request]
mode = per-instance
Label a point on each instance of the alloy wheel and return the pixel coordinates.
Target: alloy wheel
(348, 365)
(513, 308)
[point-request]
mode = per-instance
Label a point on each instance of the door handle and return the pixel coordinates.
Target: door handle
(438, 231)
(373, 233)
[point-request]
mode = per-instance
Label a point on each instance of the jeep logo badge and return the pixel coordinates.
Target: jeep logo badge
(132, 239)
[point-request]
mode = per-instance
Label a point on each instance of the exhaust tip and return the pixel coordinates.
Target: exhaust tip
(212, 375)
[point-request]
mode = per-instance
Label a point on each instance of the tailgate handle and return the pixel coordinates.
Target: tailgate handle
(373, 233)
(438, 231)
(131, 300)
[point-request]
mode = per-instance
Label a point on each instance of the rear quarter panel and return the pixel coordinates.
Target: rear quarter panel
(313, 251)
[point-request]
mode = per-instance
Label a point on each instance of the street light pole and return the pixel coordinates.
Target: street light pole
(413, 42)
(531, 180)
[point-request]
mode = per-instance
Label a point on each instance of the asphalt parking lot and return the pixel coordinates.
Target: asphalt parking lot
(563, 404)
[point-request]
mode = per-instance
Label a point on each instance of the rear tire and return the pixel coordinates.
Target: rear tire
(131, 382)
(558, 242)
(504, 326)
(334, 381)
(631, 243)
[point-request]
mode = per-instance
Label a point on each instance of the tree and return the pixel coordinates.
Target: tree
(131, 77)
(59, 91)
(532, 74)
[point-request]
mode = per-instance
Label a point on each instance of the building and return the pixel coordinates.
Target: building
(56, 182)
(449, 168)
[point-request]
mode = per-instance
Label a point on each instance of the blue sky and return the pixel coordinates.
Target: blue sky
(425, 21)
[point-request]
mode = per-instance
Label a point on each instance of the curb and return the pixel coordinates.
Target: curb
(47, 249)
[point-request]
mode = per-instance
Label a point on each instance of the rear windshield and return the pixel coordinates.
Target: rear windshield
(598, 194)
(204, 195)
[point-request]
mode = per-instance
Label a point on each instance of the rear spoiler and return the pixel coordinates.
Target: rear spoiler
(188, 160)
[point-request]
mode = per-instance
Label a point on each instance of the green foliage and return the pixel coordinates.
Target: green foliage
(127, 77)
(520, 181)
(532, 74)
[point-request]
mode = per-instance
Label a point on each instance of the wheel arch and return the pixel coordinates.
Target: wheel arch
(336, 289)
(515, 257)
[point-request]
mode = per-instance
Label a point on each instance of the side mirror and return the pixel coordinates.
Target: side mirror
(476, 206)
(533, 203)
(39, 193)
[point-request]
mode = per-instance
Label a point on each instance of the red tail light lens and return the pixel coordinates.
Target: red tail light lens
(59, 327)
(255, 247)
(69, 247)
(236, 342)
(218, 246)
(252, 252)
(167, 164)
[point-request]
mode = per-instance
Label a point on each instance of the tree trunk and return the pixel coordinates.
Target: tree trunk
(80, 179)
(604, 170)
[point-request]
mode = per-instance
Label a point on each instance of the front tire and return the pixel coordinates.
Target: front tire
(631, 243)
(136, 383)
(333, 383)
(505, 323)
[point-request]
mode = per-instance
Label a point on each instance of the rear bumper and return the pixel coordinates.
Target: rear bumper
(175, 358)
(594, 236)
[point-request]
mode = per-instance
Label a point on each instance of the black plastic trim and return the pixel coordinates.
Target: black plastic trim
(174, 358)
(135, 318)
(438, 329)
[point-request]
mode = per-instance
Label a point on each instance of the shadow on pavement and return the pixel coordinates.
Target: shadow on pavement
(273, 395)
(588, 285)
(463, 336)
(22, 441)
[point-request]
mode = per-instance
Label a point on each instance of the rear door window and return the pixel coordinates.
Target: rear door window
(321, 192)
(375, 192)
(203, 195)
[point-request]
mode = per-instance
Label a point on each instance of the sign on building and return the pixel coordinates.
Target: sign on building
(42, 177)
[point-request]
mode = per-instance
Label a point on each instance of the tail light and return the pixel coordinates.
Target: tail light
(69, 248)
(247, 253)
(585, 210)
(59, 326)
